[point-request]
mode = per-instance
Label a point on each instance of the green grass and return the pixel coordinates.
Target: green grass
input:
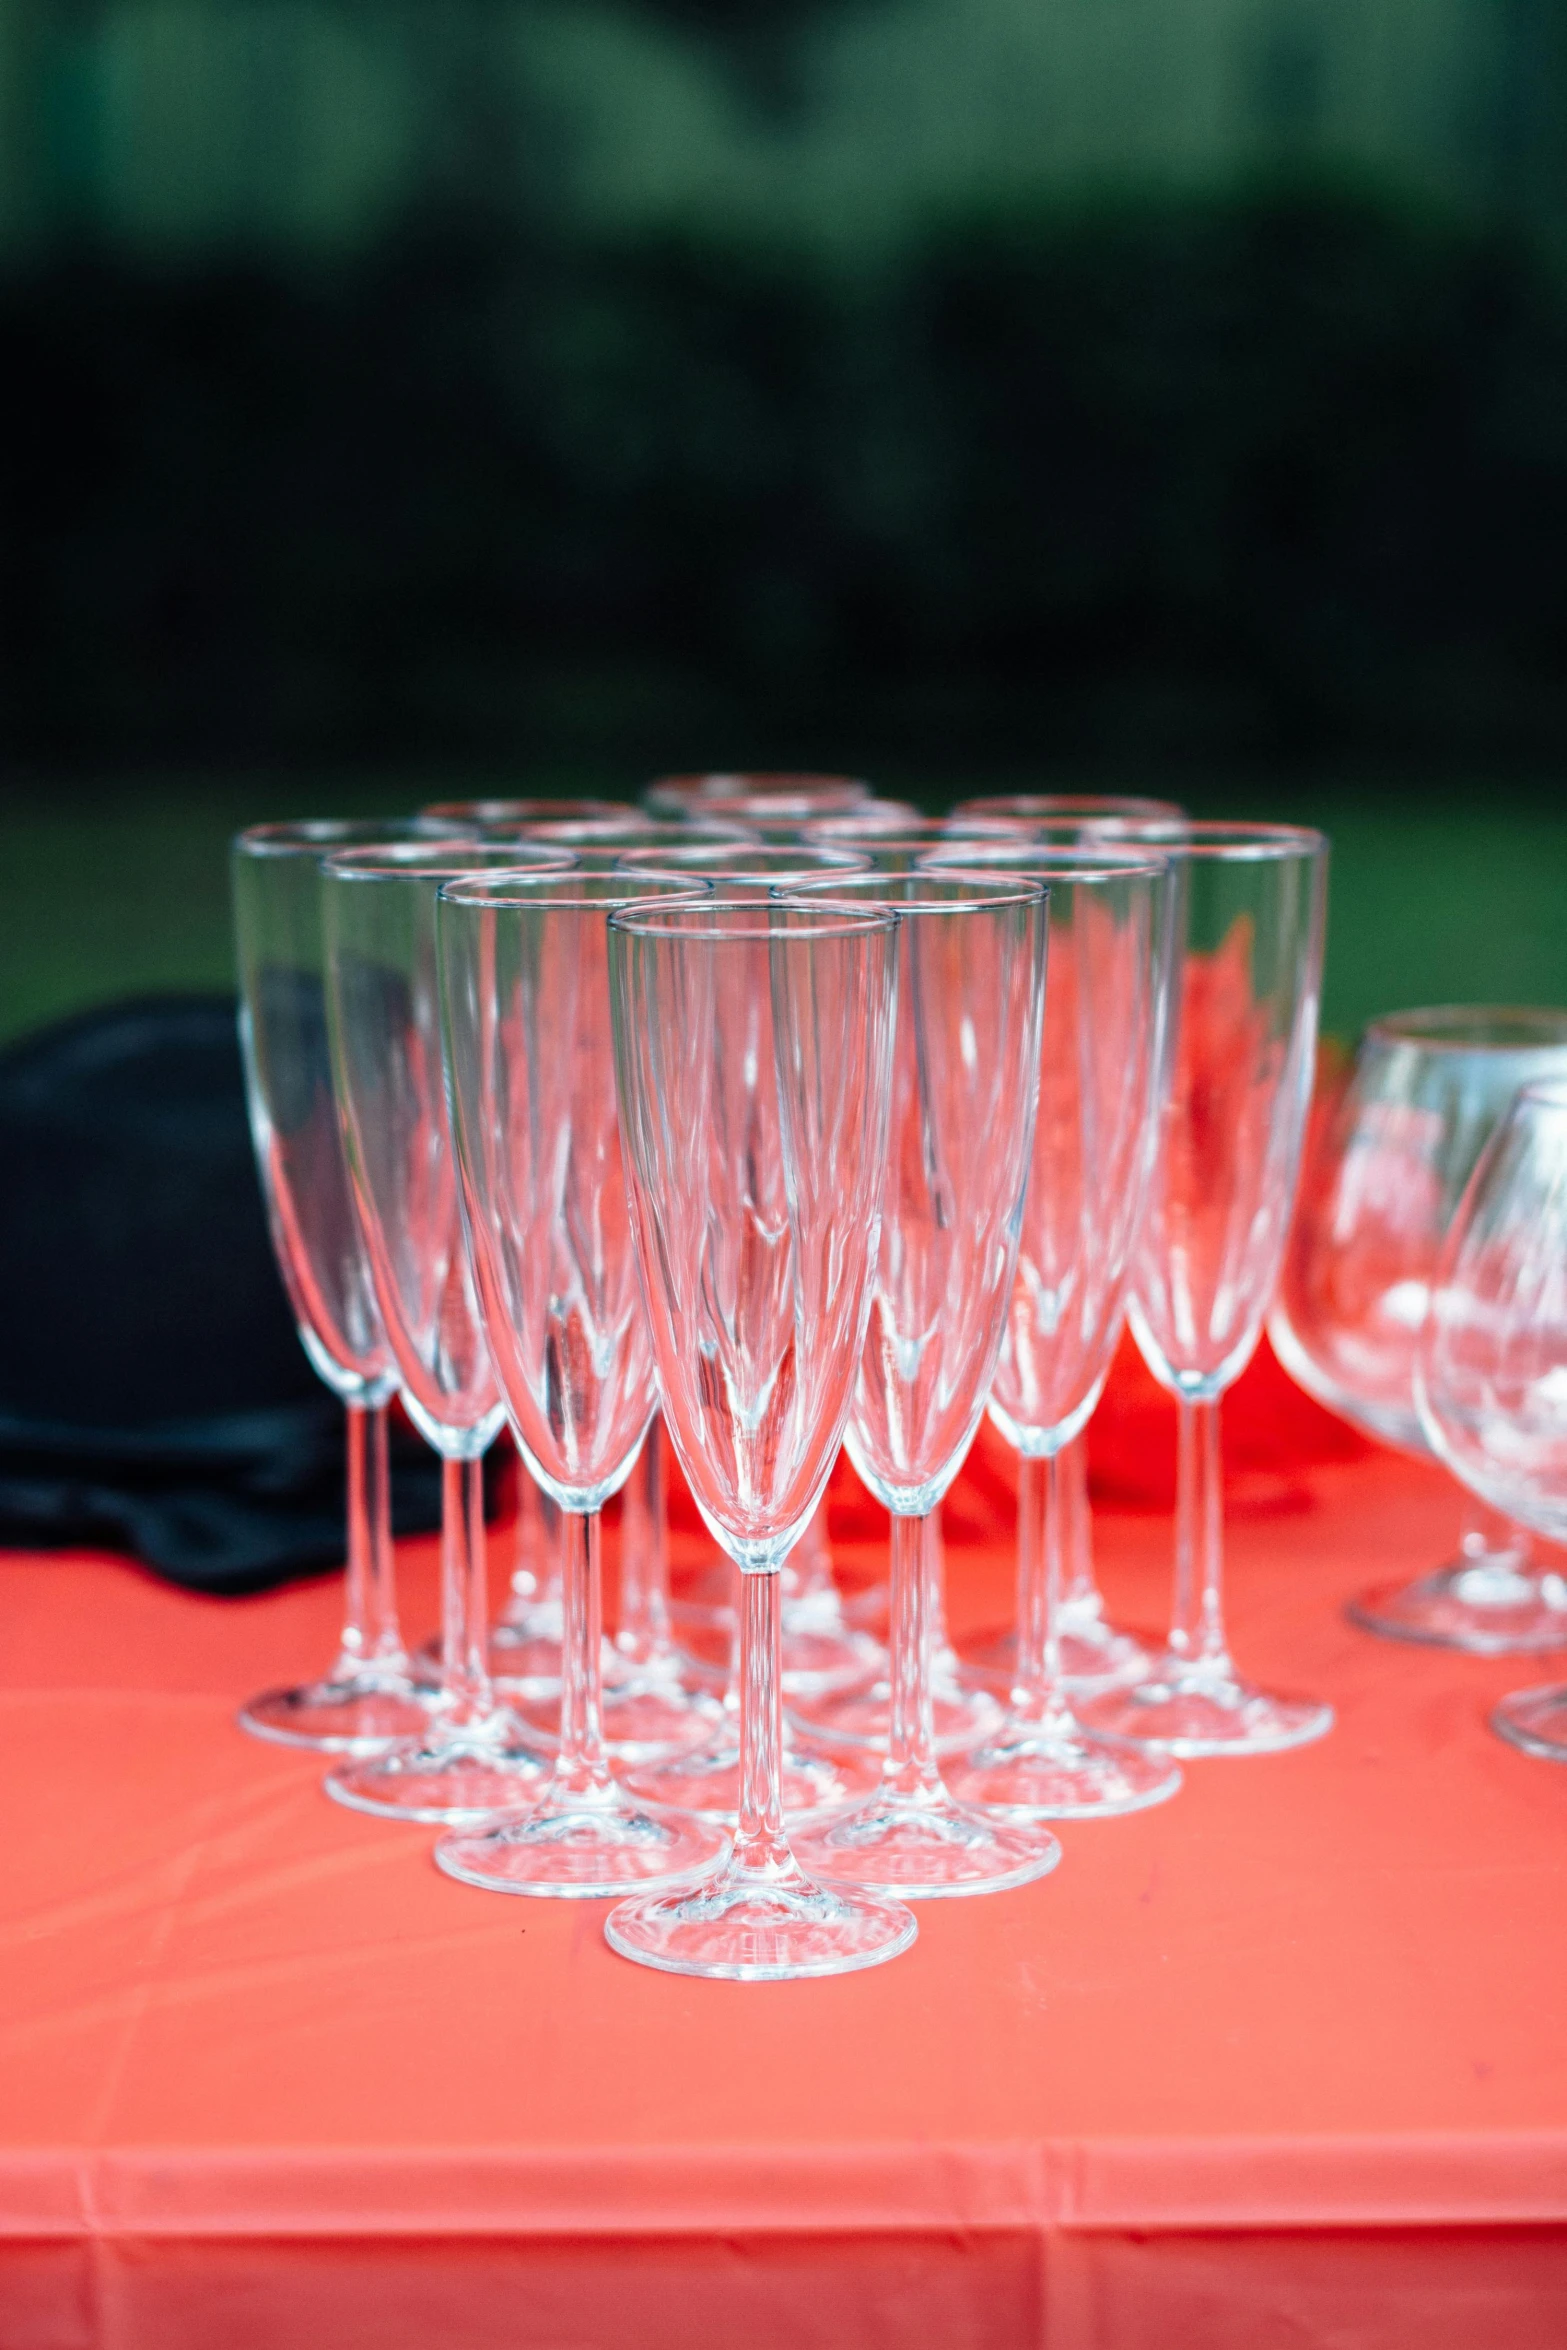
(1451, 899)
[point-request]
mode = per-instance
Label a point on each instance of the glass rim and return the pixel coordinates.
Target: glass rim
(909, 836)
(398, 860)
(492, 890)
(473, 811)
(862, 819)
(1091, 861)
(760, 782)
(594, 832)
(1061, 806)
(1226, 841)
(693, 854)
(1549, 1092)
(1472, 1028)
(314, 836)
(993, 895)
(650, 918)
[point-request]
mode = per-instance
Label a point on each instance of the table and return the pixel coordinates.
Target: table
(1282, 2063)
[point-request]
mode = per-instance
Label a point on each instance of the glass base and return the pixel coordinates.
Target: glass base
(353, 1711)
(522, 1665)
(1059, 1774)
(708, 1780)
(583, 1846)
(1536, 1721)
(1489, 1605)
(450, 1777)
(646, 1717)
(923, 1848)
(824, 1660)
(741, 1928)
(1093, 1656)
(1194, 1710)
(823, 1656)
(964, 1717)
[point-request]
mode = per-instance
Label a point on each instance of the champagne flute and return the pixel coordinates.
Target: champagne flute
(971, 983)
(530, 1069)
(383, 1016)
(367, 1697)
(1247, 973)
(1101, 1066)
(756, 1208)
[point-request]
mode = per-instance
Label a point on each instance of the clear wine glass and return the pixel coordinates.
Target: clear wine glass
(971, 980)
(530, 1069)
(1381, 1179)
(1247, 974)
(383, 1017)
(1101, 1065)
(367, 1697)
(680, 795)
(1491, 1372)
(756, 1208)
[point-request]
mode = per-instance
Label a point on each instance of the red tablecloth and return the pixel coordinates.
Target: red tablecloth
(1282, 2063)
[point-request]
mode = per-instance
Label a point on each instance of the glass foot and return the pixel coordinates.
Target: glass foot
(451, 1776)
(743, 1928)
(824, 1660)
(582, 1845)
(823, 1655)
(923, 1848)
(1058, 1774)
(964, 1717)
(524, 1665)
(1093, 1656)
(1489, 1605)
(353, 1711)
(645, 1717)
(708, 1780)
(1186, 1710)
(1536, 1721)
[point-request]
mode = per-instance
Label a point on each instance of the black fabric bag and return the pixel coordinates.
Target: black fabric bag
(154, 1396)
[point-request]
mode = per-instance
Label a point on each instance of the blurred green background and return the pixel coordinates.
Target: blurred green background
(1161, 394)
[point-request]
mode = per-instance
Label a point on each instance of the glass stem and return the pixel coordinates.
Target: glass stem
(1197, 1629)
(583, 1766)
(1081, 1596)
(644, 1556)
(530, 1563)
(1041, 1527)
(809, 1571)
(936, 1587)
(370, 1631)
(464, 1597)
(760, 1846)
(910, 1770)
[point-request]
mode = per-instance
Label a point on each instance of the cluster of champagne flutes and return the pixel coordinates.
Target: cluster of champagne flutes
(797, 1121)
